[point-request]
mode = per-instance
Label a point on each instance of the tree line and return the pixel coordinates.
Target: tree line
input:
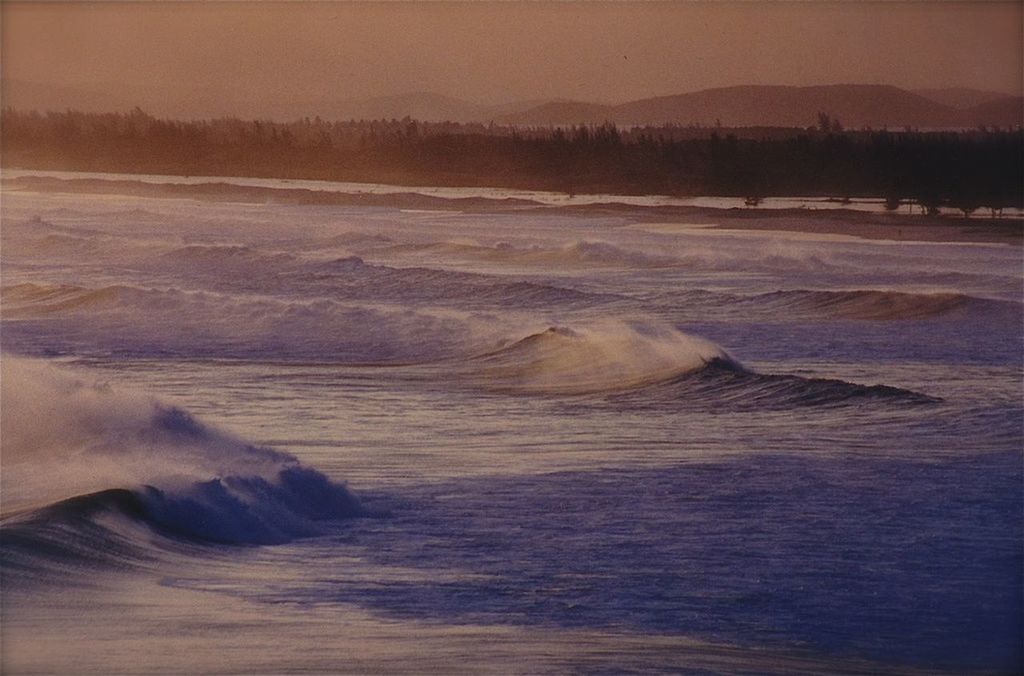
(966, 170)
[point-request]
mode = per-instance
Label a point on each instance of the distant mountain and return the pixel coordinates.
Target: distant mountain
(999, 113)
(200, 102)
(855, 106)
(562, 112)
(960, 97)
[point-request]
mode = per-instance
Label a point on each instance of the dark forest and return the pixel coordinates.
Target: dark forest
(967, 170)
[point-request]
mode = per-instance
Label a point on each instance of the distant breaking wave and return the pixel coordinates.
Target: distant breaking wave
(149, 322)
(133, 321)
(878, 305)
(858, 304)
(225, 259)
(656, 365)
(93, 474)
(724, 385)
(240, 268)
(42, 299)
(611, 356)
(598, 357)
(579, 253)
(356, 278)
(39, 240)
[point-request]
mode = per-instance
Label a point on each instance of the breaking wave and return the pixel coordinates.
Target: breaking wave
(354, 277)
(243, 268)
(654, 364)
(36, 239)
(30, 299)
(857, 304)
(147, 322)
(579, 253)
(91, 473)
(727, 387)
(879, 305)
(608, 357)
(221, 259)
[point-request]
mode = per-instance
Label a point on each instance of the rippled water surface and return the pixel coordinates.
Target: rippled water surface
(272, 438)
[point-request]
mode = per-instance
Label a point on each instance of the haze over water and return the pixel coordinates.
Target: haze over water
(256, 425)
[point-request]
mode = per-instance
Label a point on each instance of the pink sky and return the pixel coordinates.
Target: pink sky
(500, 52)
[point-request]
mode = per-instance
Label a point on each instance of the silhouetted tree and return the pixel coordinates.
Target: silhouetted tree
(964, 170)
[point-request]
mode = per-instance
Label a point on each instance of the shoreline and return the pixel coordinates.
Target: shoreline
(859, 225)
(962, 232)
(895, 227)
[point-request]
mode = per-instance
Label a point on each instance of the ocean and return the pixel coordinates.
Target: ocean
(500, 436)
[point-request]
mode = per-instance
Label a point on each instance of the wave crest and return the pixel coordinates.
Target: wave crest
(579, 253)
(147, 322)
(657, 366)
(105, 454)
(724, 386)
(607, 357)
(878, 304)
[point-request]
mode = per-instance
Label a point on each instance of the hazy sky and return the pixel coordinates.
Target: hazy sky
(495, 52)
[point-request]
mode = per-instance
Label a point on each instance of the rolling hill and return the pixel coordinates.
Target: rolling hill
(856, 106)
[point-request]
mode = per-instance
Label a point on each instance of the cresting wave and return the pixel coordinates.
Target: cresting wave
(650, 364)
(91, 473)
(856, 304)
(43, 319)
(239, 268)
(879, 305)
(36, 239)
(28, 299)
(600, 357)
(605, 357)
(585, 253)
(356, 278)
(726, 386)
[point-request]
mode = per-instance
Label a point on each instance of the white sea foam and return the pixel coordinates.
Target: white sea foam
(64, 436)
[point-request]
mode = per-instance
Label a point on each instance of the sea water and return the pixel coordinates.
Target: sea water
(265, 438)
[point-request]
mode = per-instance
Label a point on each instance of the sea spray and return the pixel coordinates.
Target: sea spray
(65, 438)
(600, 357)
